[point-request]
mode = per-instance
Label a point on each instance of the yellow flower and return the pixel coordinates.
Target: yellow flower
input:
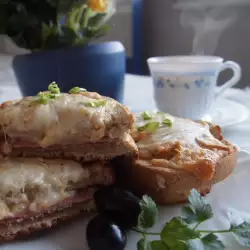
(98, 5)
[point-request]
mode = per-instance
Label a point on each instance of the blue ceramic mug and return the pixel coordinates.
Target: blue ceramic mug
(97, 67)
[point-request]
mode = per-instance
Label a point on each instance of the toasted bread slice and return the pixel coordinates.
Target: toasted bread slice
(30, 185)
(67, 119)
(37, 194)
(177, 156)
(105, 149)
(170, 186)
(24, 228)
(83, 126)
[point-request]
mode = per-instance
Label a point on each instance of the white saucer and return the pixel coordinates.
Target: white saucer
(225, 112)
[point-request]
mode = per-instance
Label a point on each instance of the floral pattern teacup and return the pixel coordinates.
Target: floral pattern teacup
(185, 85)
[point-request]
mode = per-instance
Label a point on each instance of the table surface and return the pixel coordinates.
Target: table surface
(139, 96)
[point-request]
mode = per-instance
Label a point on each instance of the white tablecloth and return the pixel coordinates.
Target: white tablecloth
(139, 96)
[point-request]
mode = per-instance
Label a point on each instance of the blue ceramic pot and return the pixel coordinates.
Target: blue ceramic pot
(97, 67)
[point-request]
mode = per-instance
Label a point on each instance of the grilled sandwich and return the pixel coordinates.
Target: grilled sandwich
(175, 156)
(55, 152)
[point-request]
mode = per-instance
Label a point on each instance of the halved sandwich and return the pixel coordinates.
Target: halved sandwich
(38, 193)
(55, 153)
(177, 155)
(81, 125)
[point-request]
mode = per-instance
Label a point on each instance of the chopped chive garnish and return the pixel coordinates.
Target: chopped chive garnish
(77, 90)
(167, 122)
(52, 93)
(43, 98)
(146, 116)
(53, 88)
(149, 127)
(95, 104)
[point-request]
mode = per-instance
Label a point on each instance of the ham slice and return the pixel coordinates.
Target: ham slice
(84, 197)
(102, 150)
(21, 229)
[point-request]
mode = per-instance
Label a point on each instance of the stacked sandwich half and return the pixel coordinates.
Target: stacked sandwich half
(55, 152)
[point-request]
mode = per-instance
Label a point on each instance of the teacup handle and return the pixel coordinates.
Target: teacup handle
(235, 67)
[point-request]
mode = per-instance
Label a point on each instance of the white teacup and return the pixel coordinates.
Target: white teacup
(185, 85)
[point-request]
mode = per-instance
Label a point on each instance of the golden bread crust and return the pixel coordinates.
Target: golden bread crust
(172, 161)
(20, 230)
(67, 119)
(170, 186)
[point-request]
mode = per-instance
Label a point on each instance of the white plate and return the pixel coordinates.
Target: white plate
(226, 113)
(230, 195)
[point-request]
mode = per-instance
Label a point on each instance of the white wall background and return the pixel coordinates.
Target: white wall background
(122, 25)
(164, 34)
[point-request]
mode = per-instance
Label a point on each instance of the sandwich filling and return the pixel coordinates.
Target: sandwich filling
(170, 142)
(31, 186)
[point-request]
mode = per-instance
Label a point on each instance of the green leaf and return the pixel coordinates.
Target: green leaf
(95, 32)
(96, 19)
(209, 242)
(195, 244)
(198, 210)
(80, 10)
(67, 36)
(36, 24)
(87, 16)
(149, 127)
(149, 213)
(146, 116)
(179, 245)
(144, 244)
(242, 233)
(75, 15)
(176, 232)
(158, 245)
(167, 122)
(45, 31)
(77, 90)
(212, 242)
(190, 215)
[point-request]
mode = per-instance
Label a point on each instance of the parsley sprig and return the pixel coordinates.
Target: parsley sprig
(183, 233)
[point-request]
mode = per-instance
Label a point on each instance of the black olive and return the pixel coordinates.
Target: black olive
(103, 234)
(121, 206)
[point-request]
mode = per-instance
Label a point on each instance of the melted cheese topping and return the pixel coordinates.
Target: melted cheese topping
(184, 144)
(63, 120)
(35, 184)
